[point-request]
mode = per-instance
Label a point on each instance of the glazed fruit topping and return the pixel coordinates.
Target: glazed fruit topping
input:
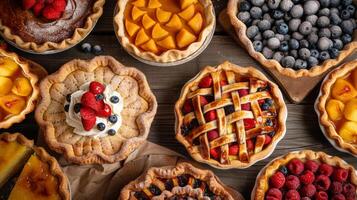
(48, 9)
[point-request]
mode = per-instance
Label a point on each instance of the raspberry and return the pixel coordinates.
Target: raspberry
(308, 190)
(274, 194)
(336, 187)
(322, 182)
(59, 5)
(292, 195)
(348, 187)
(292, 182)
(277, 180)
(295, 166)
(321, 195)
(27, 4)
(325, 169)
(305, 198)
(350, 196)
(38, 7)
(340, 175)
(206, 82)
(338, 197)
(311, 165)
(51, 13)
(307, 177)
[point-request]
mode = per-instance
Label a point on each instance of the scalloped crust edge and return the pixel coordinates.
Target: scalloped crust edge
(170, 55)
(77, 36)
(321, 102)
(251, 72)
(32, 100)
(146, 179)
(261, 184)
(240, 30)
(143, 121)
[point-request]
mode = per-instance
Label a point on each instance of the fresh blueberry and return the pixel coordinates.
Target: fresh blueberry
(269, 102)
(86, 47)
(114, 99)
(101, 126)
(282, 28)
(334, 52)
(338, 44)
(278, 14)
(265, 106)
(346, 2)
(346, 38)
(314, 53)
(268, 122)
(351, 9)
(284, 46)
(66, 108)
(312, 61)
(77, 107)
(244, 6)
(324, 55)
(97, 49)
(283, 170)
(294, 44)
(271, 134)
(111, 132)
(99, 97)
(345, 14)
(113, 119)
(68, 97)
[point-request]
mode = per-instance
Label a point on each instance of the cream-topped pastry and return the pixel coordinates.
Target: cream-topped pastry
(94, 110)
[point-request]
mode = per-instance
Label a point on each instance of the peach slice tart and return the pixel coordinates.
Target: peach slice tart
(337, 107)
(167, 30)
(18, 89)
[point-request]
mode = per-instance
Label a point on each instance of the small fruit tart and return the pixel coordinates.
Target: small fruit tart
(95, 111)
(163, 30)
(182, 181)
(230, 116)
(18, 89)
(44, 26)
(306, 175)
(337, 107)
(295, 38)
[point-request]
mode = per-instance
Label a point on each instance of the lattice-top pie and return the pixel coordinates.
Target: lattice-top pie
(183, 181)
(230, 116)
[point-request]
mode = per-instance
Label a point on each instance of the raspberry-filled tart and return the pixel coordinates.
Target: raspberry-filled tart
(337, 106)
(163, 31)
(96, 111)
(306, 175)
(230, 117)
(18, 89)
(46, 26)
(182, 181)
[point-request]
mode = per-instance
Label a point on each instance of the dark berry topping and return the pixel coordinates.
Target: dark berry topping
(101, 126)
(265, 106)
(66, 108)
(111, 132)
(229, 109)
(271, 134)
(182, 180)
(86, 47)
(99, 97)
(68, 97)
(169, 185)
(269, 122)
(77, 107)
(113, 119)
(154, 190)
(141, 196)
(269, 102)
(114, 99)
(197, 183)
(283, 170)
(97, 49)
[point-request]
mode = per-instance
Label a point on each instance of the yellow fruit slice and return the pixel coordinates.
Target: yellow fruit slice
(185, 38)
(174, 23)
(139, 3)
(348, 132)
(335, 109)
(196, 23)
(351, 110)
(8, 67)
(131, 28)
(343, 90)
(12, 104)
(162, 16)
(22, 87)
(150, 46)
(168, 42)
(188, 13)
(5, 85)
(141, 37)
(158, 32)
(147, 22)
(136, 13)
(185, 3)
(154, 4)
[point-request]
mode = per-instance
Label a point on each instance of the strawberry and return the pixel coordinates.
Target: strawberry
(206, 82)
(203, 100)
(212, 135)
(28, 4)
(246, 106)
(243, 92)
(249, 123)
(88, 124)
(215, 153)
(87, 113)
(59, 5)
(96, 87)
(233, 149)
(88, 99)
(51, 13)
(187, 107)
(105, 112)
(211, 115)
(38, 7)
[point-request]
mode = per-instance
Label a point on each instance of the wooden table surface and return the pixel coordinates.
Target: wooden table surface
(303, 131)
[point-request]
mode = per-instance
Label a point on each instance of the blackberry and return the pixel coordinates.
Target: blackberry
(229, 109)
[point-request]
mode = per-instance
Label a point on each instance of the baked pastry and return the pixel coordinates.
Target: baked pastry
(163, 31)
(183, 181)
(230, 117)
(306, 175)
(48, 26)
(96, 111)
(18, 89)
(295, 38)
(41, 176)
(337, 105)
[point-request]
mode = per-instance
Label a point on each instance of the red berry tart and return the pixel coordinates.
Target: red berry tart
(306, 175)
(230, 117)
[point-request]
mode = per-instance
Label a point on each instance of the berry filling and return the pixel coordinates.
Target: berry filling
(48, 9)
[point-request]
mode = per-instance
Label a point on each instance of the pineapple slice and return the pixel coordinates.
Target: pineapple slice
(150, 46)
(5, 85)
(351, 110)
(158, 32)
(22, 87)
(175, 23)
(163, 16)
(8, 67)
(185, 3)
(136, 13)
(335, 109)
(185, 38)
(12, 104)
(196, 23)
(141, 37)
(188, 13)
(348, 132)
(167, 43)
(154, 4)
(147, 21)
(343, 90)
(139, 3)
(131, 28)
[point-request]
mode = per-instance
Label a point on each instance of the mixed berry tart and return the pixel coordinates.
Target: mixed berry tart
(337, 107)
(182, 181)
(163, 30)
(296, 38)
(95, 111)
(230, 116)
(306, 175)
(42, 26)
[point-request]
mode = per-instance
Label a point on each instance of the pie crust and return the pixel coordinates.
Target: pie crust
(169, 55)
(275, 93)
(32, 99)
(262, 181)
(320, 106)
(139, 110)
(77, 36)
(155, 175)
(240, 30)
